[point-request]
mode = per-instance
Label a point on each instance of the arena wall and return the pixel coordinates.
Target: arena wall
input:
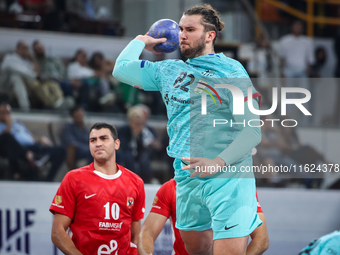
(294, 218)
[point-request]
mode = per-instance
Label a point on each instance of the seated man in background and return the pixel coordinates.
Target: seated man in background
(53, 69)
(11, 150)
(79, 70)
(18, 74)
(164, 207)
(40, 146)
(137, 139)
(99, 65)
(75, 138)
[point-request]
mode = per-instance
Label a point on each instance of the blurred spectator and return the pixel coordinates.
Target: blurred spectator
(39, 6)
(281, 146)
(318, 70)
(137, 140)
(101, 69)
(50, 16)
(79, 71)
(89, 9)
(75, 138)
(19, 70)
(169, 161)
(128, 96)
(53, 69)
(265, 66)
(13, 6)
(265, 62)
(78, 68)
(40, 146)
(13, 151)
(97, 78)
(302, 155)
(269, 152)
(297, 57)
(320, 55)
(296, 51)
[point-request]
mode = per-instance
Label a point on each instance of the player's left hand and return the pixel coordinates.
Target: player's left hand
(203, 166)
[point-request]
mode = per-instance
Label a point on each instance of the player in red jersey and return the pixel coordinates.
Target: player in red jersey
(98, 208)
(164, 207)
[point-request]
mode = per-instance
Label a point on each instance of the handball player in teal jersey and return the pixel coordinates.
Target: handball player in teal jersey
(216, 210)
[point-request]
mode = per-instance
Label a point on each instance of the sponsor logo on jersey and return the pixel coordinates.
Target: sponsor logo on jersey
(110, 226)
(87, 197)
(60, 206)
(168, 100)
(58, 200)
(155, 200)
(208, 73)
(129, 202)
(203, 86)
(105, 249)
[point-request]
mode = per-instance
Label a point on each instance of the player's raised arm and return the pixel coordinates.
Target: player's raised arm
(128, 66)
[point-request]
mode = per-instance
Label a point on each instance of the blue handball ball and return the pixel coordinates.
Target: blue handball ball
(165, 28)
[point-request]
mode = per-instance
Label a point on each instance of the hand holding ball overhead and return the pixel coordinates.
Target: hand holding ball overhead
(165, 28)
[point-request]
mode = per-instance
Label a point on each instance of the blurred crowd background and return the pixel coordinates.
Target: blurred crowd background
(57, 57)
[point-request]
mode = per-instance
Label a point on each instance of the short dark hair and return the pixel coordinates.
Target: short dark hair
(298, 21)
(92, 62)
(74, 109)
(74, 58)
(35, 42)
(4, 99)
(210, 17)
(100, 125)
(19, 43)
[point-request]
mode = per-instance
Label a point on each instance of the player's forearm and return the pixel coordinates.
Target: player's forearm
(127, 66)
(256, 247)
(135, 231)
(247, 139)
(62, 240)
(259, 241)
(146, 244)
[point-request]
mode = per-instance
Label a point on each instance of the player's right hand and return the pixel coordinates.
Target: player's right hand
(150, 42)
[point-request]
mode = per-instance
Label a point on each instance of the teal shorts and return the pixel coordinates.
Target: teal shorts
(228, 206)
